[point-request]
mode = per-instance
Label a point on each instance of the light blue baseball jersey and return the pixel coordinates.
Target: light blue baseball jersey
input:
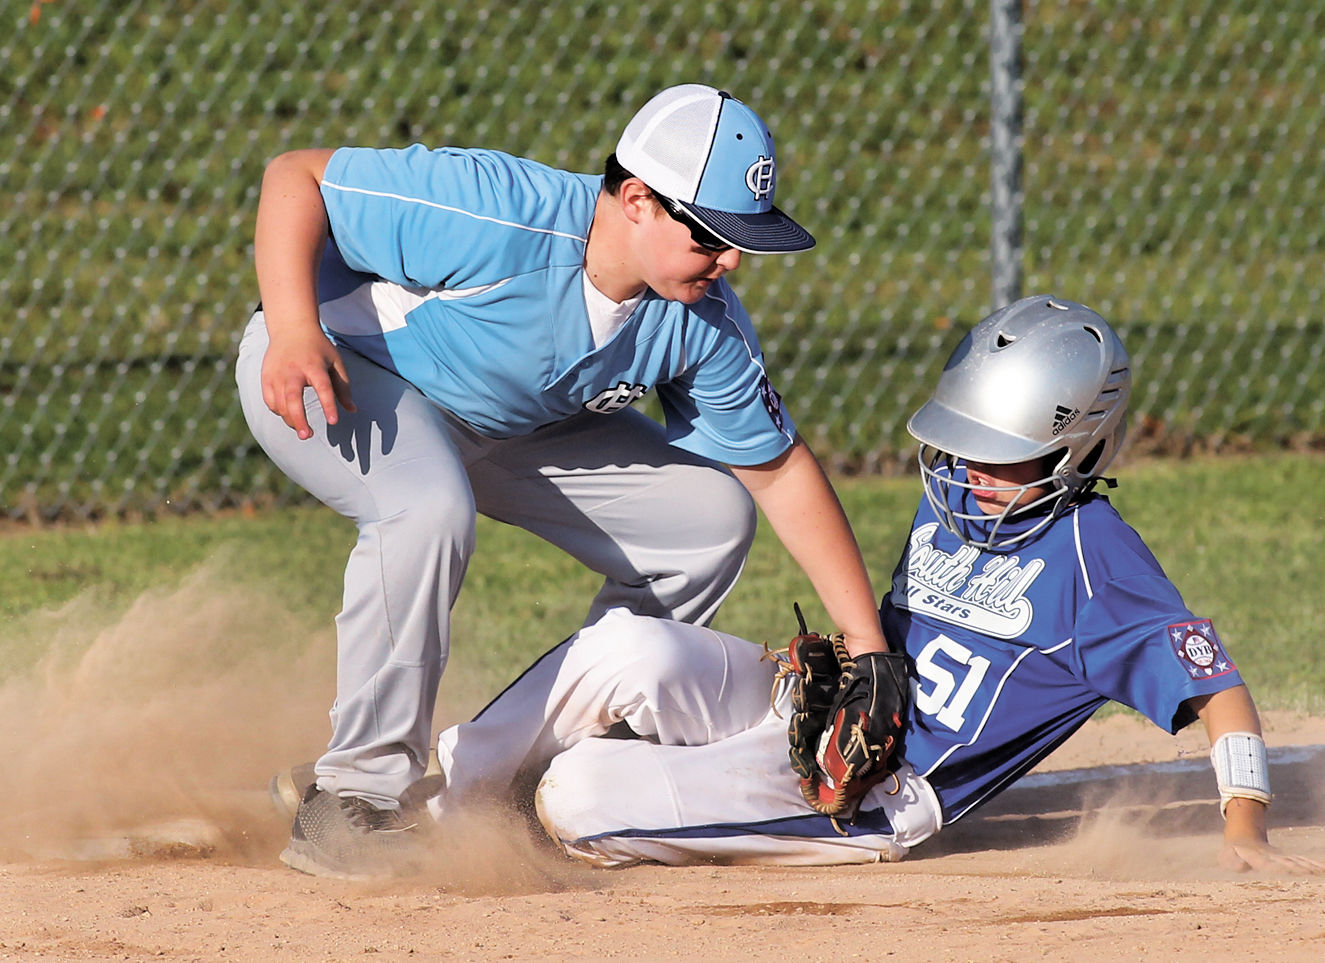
(1013, 651)
(462, 271)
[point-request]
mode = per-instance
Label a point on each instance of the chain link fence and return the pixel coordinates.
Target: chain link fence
(1170, 161)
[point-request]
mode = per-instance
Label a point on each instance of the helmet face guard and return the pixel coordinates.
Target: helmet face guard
(1036, 378)
(954, 503)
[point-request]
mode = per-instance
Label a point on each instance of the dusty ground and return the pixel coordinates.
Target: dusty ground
(136, 827)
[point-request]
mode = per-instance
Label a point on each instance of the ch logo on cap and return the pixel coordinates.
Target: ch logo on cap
(759, 177)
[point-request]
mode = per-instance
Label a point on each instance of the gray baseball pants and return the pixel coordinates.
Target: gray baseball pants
(668, 530)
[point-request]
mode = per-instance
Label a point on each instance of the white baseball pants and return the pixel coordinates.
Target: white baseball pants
(668, 530)
(706, 781)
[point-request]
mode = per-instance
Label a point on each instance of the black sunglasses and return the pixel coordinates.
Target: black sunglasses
(699, 234)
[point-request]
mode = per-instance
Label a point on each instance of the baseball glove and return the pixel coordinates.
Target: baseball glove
(847, 719)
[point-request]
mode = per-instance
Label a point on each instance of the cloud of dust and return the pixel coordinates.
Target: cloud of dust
(1164, 822)
(179, 707)
(1130, 832)
(494, 851)
(152, 731)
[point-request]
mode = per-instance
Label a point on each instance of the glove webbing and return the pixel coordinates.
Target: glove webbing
(782, 657)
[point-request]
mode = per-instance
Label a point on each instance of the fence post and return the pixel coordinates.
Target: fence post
(1005, 151)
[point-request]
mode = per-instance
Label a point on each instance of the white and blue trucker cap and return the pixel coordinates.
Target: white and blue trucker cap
(713, 156)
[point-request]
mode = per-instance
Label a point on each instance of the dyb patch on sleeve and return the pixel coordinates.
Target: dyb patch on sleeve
(1199, 649)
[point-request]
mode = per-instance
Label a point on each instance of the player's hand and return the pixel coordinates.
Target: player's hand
(1242, 855)
(295, 361)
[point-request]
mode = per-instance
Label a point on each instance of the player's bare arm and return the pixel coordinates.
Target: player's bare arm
(1231, 713)
(289, 238)
(800, 504)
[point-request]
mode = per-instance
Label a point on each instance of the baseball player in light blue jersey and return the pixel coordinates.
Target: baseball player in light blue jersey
(1022, 600)
(452, 331)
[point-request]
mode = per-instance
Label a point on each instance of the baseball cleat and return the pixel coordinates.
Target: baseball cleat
(346, 837)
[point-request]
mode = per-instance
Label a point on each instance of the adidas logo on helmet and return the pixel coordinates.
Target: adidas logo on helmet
(1064, 416)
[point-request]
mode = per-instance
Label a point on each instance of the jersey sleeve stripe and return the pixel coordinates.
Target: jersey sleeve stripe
(331, 185)
(727, 318)
(1081, 558)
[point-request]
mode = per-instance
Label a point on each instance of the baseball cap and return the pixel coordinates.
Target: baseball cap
(712, 156)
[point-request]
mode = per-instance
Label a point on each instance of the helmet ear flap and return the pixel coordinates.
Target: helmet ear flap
(1087, 466)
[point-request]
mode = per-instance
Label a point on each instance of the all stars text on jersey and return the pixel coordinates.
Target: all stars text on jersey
(946, 585)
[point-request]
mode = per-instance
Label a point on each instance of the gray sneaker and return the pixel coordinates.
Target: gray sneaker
(350, 838)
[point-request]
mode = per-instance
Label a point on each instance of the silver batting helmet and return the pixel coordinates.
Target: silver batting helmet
(1039, 378)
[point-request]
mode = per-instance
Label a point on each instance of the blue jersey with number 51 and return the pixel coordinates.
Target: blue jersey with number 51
(1012, 651)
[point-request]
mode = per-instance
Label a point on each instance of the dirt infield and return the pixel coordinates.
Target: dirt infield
(136, 826)
(1093, 866)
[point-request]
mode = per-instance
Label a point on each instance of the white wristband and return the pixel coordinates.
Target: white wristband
(1241, 768)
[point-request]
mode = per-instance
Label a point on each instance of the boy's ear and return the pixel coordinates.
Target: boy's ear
(636, 199)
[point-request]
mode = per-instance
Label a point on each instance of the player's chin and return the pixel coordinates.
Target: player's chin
(695, 290)
(687, 293)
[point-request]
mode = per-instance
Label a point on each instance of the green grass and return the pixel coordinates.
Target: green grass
(1231, 532)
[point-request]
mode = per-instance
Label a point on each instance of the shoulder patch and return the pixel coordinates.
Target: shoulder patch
(772, 402)
(1199, 650)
